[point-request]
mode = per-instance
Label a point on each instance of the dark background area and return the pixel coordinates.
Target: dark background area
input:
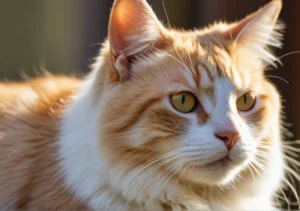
(65, 35)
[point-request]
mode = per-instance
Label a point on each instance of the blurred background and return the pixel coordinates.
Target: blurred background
(64, 36)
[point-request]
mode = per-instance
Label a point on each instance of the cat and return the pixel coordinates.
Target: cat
(166, 120)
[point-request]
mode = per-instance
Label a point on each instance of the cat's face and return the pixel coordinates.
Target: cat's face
(196, 106)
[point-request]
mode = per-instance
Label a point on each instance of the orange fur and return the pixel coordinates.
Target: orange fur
(29, 117)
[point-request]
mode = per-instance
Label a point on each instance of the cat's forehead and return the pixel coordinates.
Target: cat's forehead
(195, 60)
(207, 61)
(210, 48)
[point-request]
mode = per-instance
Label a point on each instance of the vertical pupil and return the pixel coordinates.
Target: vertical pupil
(245, 98)
(182, 99)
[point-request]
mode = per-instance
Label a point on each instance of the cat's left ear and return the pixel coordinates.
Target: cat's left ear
(259, 30)
(133, 30)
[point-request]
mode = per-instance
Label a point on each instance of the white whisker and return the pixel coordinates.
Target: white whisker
(165, 11)
(145, 174)
(182, 173)
(173, 170)
(274, 76)
(190, 60)
(291, 148)
(293, 172)
(289, 152)
(291, 142)
(180, 62)
(254, 168)
(260, 165)
(286, 198)
(297, 163)
(294, 191)
(251, 171)
(277, 200)
(287, 54)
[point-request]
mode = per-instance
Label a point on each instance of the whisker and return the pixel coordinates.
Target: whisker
(174, 170)
(293, 172)
(165, 11)
(190, 60)
(182, 173)
(279, 203)
(262, 154)
(292, 142)
(287, 54)
(251, 171)
(260, 160)
(261, 166)
(294, 191)
(291, 148)
(289, 152)
(286, 198)
(145, 174)
(264, 146)
(297, 163)
(293, 165)
(180, 62)
(178, 54)
(259, 152)
(274, 76)
(254, 168)
(256, 163)
(124, 160)
(264, 143)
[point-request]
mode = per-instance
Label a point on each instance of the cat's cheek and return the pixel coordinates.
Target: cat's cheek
(259, 119)
(242, 152)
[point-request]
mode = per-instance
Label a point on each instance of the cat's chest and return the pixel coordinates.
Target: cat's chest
(165, 200)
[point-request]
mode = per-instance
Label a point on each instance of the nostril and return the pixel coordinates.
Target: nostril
(228, 137)
(223, 138)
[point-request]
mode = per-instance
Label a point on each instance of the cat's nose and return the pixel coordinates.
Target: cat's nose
(230, 138)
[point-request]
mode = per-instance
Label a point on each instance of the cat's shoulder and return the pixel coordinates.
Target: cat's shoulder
(30, 116)
(38, 96)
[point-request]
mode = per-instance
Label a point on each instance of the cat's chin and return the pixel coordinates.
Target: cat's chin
(219, 172)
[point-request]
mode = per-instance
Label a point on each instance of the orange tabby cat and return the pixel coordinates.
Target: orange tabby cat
(166, 120)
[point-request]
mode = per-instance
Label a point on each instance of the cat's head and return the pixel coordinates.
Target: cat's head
(188, 104)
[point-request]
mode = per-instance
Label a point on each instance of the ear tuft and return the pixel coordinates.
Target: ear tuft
(259, 31)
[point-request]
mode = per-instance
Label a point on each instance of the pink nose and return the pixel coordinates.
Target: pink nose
(228, 137)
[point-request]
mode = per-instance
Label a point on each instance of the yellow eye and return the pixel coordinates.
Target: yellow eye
(183, 101)
(246, 101)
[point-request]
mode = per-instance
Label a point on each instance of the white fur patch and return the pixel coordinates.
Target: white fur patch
(205, 81)
(78, 150)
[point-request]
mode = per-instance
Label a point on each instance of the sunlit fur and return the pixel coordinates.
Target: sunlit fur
(116, 143)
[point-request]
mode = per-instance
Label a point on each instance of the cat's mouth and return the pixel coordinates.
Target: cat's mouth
(216, 172)
(224, 161)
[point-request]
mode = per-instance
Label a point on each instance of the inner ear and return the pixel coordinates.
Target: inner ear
(258, 31)
(122, 64)
(258, 25)
(133, 30)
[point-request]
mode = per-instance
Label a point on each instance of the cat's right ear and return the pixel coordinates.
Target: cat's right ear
(133, 29)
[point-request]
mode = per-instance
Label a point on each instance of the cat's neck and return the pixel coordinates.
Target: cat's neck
(78, 149)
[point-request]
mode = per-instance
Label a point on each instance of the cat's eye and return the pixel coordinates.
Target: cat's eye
(246, 102)
(183, 101)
